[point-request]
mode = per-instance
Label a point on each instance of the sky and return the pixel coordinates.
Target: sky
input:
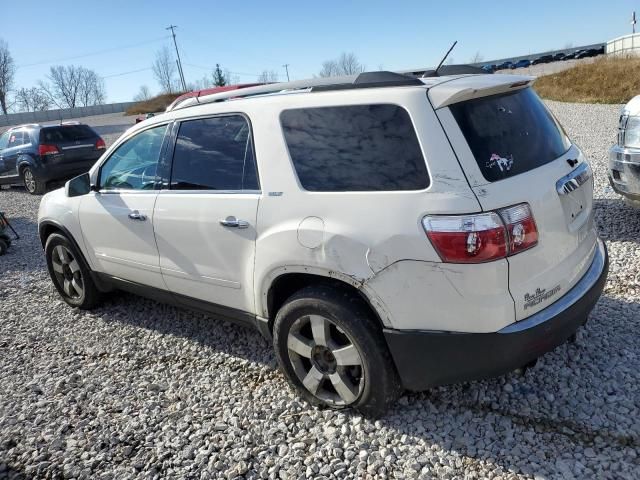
(119, 39)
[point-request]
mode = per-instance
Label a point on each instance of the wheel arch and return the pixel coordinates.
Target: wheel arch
(283, 282)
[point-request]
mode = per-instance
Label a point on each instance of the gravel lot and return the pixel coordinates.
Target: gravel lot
(136, 389)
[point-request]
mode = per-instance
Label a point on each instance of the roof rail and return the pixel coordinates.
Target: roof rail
(362, 80)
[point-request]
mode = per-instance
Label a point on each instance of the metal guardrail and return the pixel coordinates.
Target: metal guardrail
(625, 45)
(62, 114)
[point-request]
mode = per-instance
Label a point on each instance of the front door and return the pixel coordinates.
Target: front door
(205, 223)
(117, 220)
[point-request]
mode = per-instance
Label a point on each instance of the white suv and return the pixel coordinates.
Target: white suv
(384, 231)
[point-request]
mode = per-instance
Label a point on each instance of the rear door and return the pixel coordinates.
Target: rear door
(205, 222)
(15, 144)
(76, 143)
(513, 151)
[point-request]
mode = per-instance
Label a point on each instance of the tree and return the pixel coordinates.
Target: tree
(219, 79)
(71, 86)
(164, 69)
(345, 64)
(143, 94)
(32, 100)
(7, 72)
(477, 58)
(268, 76)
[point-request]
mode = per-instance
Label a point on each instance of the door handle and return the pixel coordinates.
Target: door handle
(136, 215)
(233, 222)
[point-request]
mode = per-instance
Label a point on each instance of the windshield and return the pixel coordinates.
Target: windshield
(510, 133)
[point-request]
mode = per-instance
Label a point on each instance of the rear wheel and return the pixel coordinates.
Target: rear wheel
(333, 353)
(32, 183)
(69, 273)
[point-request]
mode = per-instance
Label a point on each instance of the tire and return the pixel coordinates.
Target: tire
(70, 274)
(311, 328)
(4, 246)
(32, 183)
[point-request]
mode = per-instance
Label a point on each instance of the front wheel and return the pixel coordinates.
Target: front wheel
(69, 273)
(32, 183)
(332, 351)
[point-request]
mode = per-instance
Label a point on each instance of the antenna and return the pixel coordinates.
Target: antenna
(445, 57)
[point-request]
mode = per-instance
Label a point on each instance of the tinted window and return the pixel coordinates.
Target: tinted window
(214, 154)
(354, 148)
(66, 133)
(510, 134)
(133, 165)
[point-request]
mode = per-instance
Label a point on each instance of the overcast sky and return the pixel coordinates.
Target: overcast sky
(118, 39)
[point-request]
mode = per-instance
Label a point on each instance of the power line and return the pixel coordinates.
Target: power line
(90, 54)
(126, 73)
(184, 84)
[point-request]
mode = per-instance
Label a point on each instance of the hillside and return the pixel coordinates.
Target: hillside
(607, 80)
(156, 104)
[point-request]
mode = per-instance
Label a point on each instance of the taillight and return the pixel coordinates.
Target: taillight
(100, 145)
(521, 227)
(482, 237)
(45, 149)
(467, 238)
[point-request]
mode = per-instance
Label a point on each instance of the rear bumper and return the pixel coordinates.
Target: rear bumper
(64, 170)
(624, 171)
(428, 358)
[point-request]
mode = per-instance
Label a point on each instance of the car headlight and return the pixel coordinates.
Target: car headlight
(631, 132)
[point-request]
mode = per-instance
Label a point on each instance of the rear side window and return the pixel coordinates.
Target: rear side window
(15, 139)
(66, 133)
(214, 154)
(354, 148)
(510, 134)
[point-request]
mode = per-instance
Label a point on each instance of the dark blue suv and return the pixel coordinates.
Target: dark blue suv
(36, 154)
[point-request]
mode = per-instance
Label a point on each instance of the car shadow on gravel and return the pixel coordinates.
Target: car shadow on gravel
(205, 330)
(616, 220)
(7, 472)
(575, 395)
(25, 253)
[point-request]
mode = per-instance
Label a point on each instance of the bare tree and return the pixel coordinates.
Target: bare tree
(268, 76)
(71, 86)
(329, 69)
(7, 72)
(143, 94)
(164, 69)
(477, 58)
(32, 100)
(345, 64)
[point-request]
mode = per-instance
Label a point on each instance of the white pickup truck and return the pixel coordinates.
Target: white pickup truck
(624, 157)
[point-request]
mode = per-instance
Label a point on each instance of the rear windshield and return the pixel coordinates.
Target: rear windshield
(510, 133)
(354, 148)
(66, 133)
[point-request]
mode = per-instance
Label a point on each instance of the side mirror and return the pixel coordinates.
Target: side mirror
(80, 185)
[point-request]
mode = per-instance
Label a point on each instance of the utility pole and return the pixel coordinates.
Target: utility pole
(633, 22)
(286, 67)
(180, 72)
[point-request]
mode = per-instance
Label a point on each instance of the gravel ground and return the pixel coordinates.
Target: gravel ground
(136, 389)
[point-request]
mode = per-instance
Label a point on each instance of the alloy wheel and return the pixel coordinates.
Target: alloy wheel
(326, 360)
(29, 180)
(67, 272)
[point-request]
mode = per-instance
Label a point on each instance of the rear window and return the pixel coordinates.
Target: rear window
(510, 133)
(66, 133)
(354, 148)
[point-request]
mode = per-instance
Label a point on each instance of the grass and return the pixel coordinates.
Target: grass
(155, 104)
(606, 80)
